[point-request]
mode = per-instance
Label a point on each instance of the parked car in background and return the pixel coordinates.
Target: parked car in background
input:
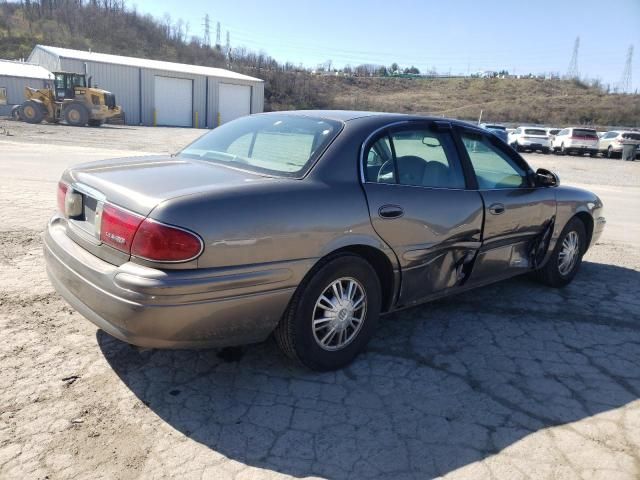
(576, 140)
(551, 134)
(610, 144)
(499, 131)
(529, 138)
(307, 225)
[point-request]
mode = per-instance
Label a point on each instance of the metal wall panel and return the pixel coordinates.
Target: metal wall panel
(122, 81)
(45, 59)
(15, 90)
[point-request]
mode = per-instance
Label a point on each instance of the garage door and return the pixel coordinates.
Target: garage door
(174, 101)
(234, 101)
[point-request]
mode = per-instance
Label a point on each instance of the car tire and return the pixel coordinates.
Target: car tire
(553, 273)
(76, 115)
(545, 151)
(303, 328)
(31, 112)
(610, 153)
(563, 151)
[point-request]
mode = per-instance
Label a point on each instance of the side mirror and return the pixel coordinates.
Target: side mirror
(546, 178)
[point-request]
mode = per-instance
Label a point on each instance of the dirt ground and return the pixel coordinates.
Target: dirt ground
(514, 380)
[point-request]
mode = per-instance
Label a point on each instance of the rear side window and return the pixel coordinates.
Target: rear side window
(415, 157)
(579, 132)
(494, 168)
(631, 136)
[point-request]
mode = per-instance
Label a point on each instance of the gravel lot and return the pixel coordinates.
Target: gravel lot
(510, 381)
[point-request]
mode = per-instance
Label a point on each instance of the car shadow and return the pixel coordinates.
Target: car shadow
(440, 387)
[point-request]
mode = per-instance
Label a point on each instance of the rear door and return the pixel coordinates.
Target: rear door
(517, 214)
(419, 205)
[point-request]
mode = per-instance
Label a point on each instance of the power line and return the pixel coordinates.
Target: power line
(572, 71)
(625, 81)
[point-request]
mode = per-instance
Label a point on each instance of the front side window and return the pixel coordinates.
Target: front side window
(279, 145)
(416, 157)
(493, 167)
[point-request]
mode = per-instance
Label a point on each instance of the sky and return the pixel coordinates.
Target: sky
(457, 36)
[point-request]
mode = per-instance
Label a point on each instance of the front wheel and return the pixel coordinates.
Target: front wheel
(332, 315)
(76, 115)
(567, 255)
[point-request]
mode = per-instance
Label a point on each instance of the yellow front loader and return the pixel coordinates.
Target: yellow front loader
(71, 99)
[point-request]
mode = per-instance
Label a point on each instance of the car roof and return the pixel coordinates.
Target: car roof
(350, 115)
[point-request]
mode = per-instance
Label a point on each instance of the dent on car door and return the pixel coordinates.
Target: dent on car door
(518, 215)
(415, 187)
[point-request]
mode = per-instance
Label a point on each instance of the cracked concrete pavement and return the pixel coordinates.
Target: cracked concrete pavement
(515, 380)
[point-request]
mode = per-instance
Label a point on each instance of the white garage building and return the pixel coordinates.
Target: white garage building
(153, 92)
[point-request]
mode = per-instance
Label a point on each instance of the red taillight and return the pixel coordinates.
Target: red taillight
(62, 193)
(163, 243)
(118, 227)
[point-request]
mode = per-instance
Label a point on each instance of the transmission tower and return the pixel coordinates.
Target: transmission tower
(572, 72)
(218, 35)
(207, 31)
(625, 81)
(227, 49)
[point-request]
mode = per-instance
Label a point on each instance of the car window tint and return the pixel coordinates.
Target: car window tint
(493, 167)
(379, 162)
(241, 145)
(281, 145)
(424, 158)
(290, 149)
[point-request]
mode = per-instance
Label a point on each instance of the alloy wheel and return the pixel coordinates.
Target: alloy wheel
(339, 314)
(569, 253)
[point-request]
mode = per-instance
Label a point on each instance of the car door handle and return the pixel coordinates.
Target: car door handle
(496, 209)
(390, 211)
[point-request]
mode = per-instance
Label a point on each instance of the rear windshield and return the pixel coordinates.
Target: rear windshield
(631, 136)
(280, 145)
(533, 131)
(578, 132)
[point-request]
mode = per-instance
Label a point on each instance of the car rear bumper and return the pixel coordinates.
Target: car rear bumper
(170, 308)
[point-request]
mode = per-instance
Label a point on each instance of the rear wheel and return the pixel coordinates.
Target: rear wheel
(76, 115)
(31, 112)
(567, 255)
(332, 315)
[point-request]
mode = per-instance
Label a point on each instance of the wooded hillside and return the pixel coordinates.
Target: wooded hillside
(110, 26)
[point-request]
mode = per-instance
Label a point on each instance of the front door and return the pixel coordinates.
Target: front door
(420, 206)
(517, 213)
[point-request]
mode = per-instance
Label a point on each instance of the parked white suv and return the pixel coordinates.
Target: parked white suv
(529, 138)
(611, 142)
(576, 140)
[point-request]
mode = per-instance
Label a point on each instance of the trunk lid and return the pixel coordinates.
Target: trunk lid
(139, 184)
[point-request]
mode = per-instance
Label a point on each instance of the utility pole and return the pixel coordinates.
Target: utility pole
(218, 35)
(572, 71)
(207, 32)
(625, 81)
